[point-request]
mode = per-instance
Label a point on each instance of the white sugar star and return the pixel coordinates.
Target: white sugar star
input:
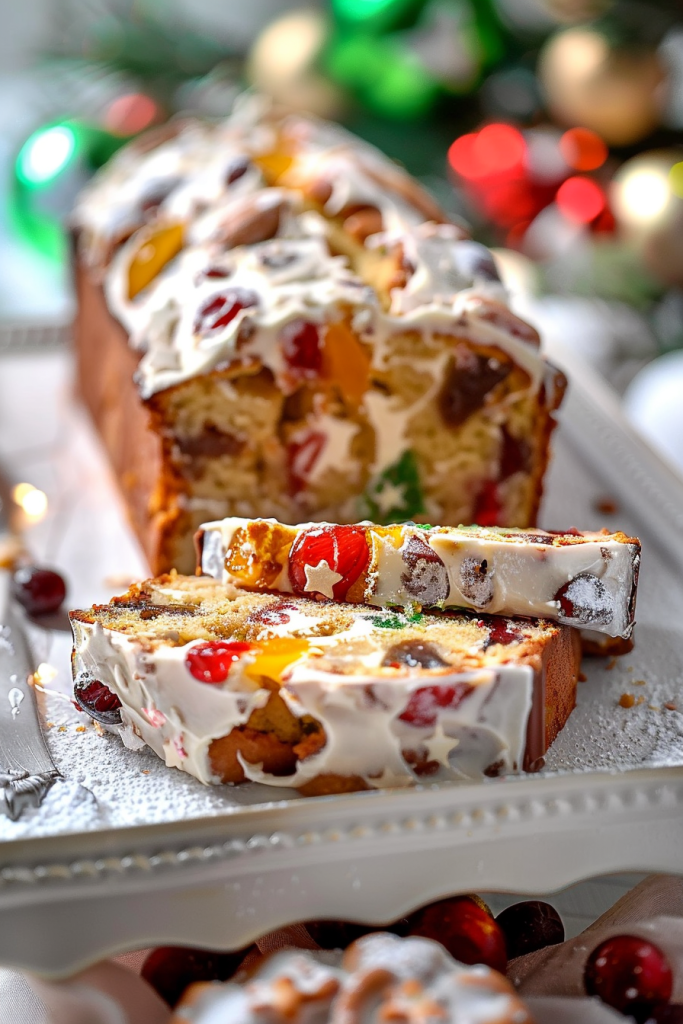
(439, 746)
(320, 579)
(390, 496)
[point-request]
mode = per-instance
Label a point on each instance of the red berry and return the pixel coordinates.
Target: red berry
(630, 974)
(170, 969)
(344, 548)
(424, 704)
(530, 926)
(468, 933)
(501, 631)
(302, 457)
(211, 660)
(98, 701)
(219, 310)
(39, 590)
(301, 348)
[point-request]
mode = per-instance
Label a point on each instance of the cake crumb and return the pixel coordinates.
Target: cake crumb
(670, 706)
(630, 668)
(639, 682)
(49, 725)
(145, 771)
(640, 700)
(583, 678)
(99, 729)
(610, 664)
(606, 506)
(627, 700)
(62, 728)
(80, 728)
(654, 707)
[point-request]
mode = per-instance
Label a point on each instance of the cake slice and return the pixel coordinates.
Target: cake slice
(322, 696)
(380, 977)
(587, 580)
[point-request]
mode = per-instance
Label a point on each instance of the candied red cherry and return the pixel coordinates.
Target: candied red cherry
(426, 576)
(488, 510)
(343, 548)
(586, 600)
(98, 701)
(424, 704)
(630, 974)
(301, 348)
(40, 591)
(218, 311)
(465, 929)
(170, 969)
(529, 926)
(211, 660)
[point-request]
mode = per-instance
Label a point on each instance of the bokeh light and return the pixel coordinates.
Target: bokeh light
(496, 149)
(130, 114)
(583, 149)
(642, 194)
(31, 500)
(580, 200)
(45, 154)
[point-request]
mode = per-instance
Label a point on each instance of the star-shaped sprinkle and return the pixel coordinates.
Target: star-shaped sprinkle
(320, 579)
(389, 496)
(439, 746)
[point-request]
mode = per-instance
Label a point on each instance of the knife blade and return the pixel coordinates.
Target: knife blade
(27, 770)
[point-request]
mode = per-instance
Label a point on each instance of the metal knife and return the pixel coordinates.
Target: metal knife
(26, 769)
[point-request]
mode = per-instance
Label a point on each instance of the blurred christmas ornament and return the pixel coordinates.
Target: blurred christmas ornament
(647, 196)
(50, 169)
(131, 113)
(617, 92)
(653, 404)
(284, 63)
(400, 56)
(541, 15)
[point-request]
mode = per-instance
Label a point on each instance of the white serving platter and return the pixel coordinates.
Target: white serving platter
(126, 853)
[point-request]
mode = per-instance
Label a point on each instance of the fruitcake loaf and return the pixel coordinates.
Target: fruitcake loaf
(380, 977)
(275, 320)
(581, 579)
(322, 696)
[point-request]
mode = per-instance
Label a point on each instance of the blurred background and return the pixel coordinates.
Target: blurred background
(553, 127)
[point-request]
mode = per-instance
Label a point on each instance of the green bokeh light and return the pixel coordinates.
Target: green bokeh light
(45, 154)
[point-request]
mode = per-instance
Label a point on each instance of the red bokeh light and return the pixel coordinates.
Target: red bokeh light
(130, 114)
(496, 149)
(580, 200)
(583, 149)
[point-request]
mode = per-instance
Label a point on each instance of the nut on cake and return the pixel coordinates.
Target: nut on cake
(275, 320)
(321, 696)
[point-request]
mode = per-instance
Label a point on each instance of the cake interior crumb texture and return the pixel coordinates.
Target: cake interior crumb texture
(275, 320)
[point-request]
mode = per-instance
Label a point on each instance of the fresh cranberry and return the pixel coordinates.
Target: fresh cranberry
(301, 348)
(487, 511)
(424, 704)
(630, 974)
(218, 311)
(98, 701)
(211, 660)
(170, 969)
(465, 929)
(529, 926)
(39, 590)
(344, 548)
(302, 457)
